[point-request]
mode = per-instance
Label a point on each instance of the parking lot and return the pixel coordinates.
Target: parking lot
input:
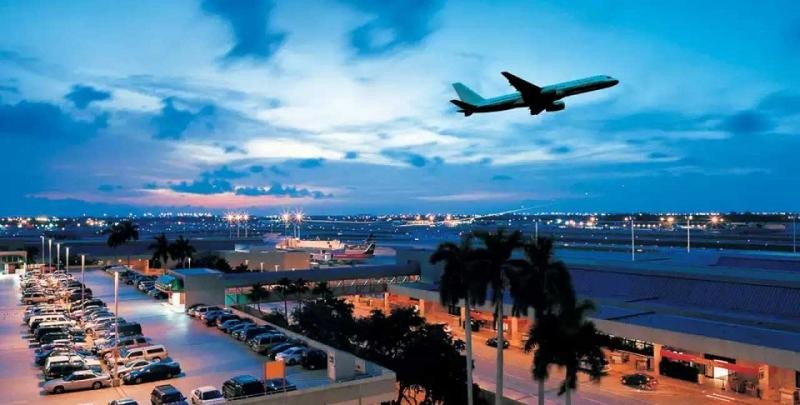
(207, 356)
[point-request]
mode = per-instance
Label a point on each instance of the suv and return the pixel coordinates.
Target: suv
(242, 386)
(314, 359)
(261, 343)
(167, 394)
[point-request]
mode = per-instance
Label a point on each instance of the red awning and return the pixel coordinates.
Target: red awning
(677, 356)
(737, 368)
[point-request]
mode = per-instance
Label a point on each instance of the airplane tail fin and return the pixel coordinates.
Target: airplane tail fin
(467, 95)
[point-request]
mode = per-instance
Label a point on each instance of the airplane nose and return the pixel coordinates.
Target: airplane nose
(614, 82)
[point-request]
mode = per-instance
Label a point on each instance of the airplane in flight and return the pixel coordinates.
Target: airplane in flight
(529, 95)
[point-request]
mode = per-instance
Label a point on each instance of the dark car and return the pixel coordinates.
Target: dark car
(242, 386)
(153, 372)
(41, 357)
(639, 380)
(314, 359)
(492, 341)
(224, 318)
(123, 401)
(241, 323)
(63, 370)
(50, 337)
(277, 385)
(252, 332)
(211, 317)
(166, 395)
(227, 324)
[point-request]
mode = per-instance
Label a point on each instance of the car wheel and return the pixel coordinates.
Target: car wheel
(97, 385)
(58, 390)
(138, 380)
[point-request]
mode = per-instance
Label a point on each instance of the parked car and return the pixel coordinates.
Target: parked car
(276, 385)
(207, 395)
(219, 320)
(292, 355)
(250, 332)
(155, 353)
(166, 394)
(261, 343)
(79, 380)
(242, 386)
(210, 318)
(639, 380)
(192, 308)
(153, 372)
(123, 401)
(280, 347)
(130, 366)
(202, 310)
(585, 365)
(492, 341)
(315, 359)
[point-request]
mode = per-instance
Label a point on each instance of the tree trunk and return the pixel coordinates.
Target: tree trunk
(498, 398)
(468, 340)
(541, 392)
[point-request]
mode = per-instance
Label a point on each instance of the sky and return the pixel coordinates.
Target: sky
(342, 106)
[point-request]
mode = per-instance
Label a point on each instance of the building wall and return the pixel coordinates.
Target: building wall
(368, 391)
(206, 289)
(285, 260)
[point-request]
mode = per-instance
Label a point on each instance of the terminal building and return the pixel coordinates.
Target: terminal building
(722, 319)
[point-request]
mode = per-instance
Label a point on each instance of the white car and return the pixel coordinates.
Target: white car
(206, 395)
(132, 365)
(292, 356)
(79, 380)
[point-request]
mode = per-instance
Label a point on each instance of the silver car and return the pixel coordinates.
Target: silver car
(79, 380)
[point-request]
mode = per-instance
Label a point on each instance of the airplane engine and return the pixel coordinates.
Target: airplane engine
(556, 106)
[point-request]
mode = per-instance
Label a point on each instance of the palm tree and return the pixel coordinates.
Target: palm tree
(181, 250)
(461, 280)
(121, 233)
(566, 338)
(298, 288)
(160, 250)
(322, 290)
(541, 283)
(257, 294)
(284, 287)
(496, 257)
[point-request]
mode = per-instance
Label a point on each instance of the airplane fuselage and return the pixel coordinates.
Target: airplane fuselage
(548, 95)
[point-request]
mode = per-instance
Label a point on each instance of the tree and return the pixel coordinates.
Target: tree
(214, 261)
(121, 233)
(181, 250)
(327, 320)
(321, 290)
(495, 257)
(284, 288)
(298, 288)
(462, 280)
(567, 338)
(31, 252)
(541, 283)
(241, 268)
(257, 294)
(160, 250)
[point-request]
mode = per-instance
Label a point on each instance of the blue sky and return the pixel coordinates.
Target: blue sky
(342, 106)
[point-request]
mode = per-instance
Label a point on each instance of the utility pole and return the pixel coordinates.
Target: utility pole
(83, 280)
(116, 327)
(50, 254)
(688, 234)
(633, 243)
(794, 233)
(67, 259)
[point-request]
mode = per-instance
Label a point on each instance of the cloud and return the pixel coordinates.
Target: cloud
(9, 89)
(203, 186)
(351, 155)
(501, 177)
(150, 186)
(256, 169)
(277, 170)
(394, 25)
(225, 172)
(473, 196)
(657, 155)
(278, 190)
(560, 150)
(81, 96)
(46, 121)
(171, 122)
(234, 149)
(249, 22)
(411, 158)
(747, 122)
(783, 102)
(108, 188)
(310, 163)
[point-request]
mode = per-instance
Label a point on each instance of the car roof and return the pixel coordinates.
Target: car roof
(244, 378)
(207, 388)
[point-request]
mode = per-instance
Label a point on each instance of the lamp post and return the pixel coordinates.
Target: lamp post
(688, 234)
(42, 251)
(83, 280)
(536, 228)
(633, 242)
(190, 262)
(50, 254)
(262, 267)
(58, 256)
(67, 259)
(116, 327)
(794, 233)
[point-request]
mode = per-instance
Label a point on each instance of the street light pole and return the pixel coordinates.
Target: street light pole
(794, 233)
(50, 254)
(58, 256)
(633, 243)
(83, 281)
(536, 229)
(116, 327)
(688, 234)
(42, 252)
(67, 248)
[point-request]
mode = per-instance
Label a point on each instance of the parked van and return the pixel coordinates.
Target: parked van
(154, 353)
(35, 320)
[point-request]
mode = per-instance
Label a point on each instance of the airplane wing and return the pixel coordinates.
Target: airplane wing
(529, 91)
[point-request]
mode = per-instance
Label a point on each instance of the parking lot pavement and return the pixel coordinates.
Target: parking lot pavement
(207, 356)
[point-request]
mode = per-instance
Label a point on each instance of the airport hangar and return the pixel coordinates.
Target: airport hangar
(720, 318)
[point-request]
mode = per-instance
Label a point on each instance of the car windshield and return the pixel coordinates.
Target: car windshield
(212, 394)
(172, 397)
